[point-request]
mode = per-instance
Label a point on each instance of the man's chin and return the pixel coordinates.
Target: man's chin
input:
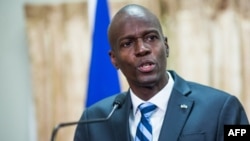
(148, 81)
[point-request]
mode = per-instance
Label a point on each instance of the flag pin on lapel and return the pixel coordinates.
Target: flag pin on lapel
(183, 106)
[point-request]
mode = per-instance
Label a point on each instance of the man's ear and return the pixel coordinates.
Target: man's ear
(113, 59)
(167, 47)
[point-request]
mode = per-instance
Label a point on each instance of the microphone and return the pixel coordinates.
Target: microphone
(119, 100)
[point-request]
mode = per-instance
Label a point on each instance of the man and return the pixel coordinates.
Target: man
(183, 110)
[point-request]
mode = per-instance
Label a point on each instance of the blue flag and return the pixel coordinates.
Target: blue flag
(103, 77)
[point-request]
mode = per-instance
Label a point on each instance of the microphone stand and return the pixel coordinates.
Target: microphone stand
(85, 121)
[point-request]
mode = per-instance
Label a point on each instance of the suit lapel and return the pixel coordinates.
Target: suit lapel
(177, 113)
(179, 108)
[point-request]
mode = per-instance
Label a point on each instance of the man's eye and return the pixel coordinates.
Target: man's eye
(126, 44)
(151, 38)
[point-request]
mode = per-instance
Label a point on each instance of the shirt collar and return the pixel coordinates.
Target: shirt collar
(160, 99)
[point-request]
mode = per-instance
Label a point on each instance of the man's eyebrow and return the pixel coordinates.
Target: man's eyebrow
(128, 37)
(151, 30)
(143, 34)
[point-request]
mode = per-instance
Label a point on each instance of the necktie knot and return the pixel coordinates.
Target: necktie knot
(147, 109)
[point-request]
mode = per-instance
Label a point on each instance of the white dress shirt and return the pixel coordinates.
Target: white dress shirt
(160, 100)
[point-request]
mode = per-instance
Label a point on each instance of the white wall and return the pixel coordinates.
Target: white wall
(16, 115)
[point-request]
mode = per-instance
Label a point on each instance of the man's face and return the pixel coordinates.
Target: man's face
(139, 50)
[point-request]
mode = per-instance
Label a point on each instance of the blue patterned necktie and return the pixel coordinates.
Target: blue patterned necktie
(144, 128)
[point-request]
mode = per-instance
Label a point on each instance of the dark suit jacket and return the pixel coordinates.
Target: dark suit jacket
(195, 113)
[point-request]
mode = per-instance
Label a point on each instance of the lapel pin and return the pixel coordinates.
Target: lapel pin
(183, 106)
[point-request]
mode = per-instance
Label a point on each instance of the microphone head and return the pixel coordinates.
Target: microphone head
(119, 100)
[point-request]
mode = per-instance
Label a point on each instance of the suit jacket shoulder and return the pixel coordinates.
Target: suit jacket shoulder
(199, 112)
(115, 128)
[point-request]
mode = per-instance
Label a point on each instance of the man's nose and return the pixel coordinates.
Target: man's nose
(141, 48)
